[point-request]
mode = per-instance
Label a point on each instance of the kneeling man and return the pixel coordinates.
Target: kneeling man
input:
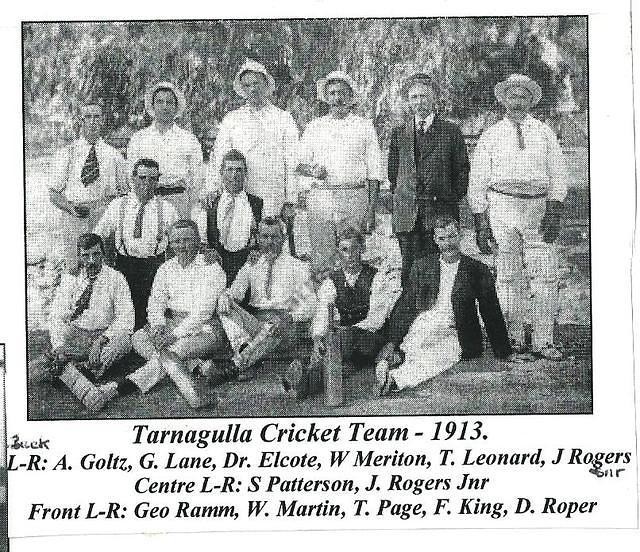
(280, 301)
(182, 326)
(436, 320)
(91, 322)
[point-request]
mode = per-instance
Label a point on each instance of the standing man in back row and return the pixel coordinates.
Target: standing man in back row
(517, 188)
(176, 150)
(266, 135)
(341, 155)
(428, 170)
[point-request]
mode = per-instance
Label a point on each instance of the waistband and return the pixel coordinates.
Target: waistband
(517, 195)
(169, 190)
(339, 187)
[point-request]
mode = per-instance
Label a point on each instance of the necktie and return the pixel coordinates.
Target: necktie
(225, 225)
(82, 304)
(137, 227)
(268, 285)
(90, 170)
(520, 135)
(421, 128)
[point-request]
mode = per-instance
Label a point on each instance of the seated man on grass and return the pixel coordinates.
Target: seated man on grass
(182, 326)
(435, 323)
(90, 326)
(281, 302)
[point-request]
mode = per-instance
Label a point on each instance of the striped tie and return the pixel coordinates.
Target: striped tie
(90, 171)
(518, 126)
(82, 304)
(225, 224)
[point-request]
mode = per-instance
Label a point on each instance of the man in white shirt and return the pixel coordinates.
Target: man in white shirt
(363, 299)
(518, 183)
(182, 327)
(341, 155)
(230, 224)
(85, 176)
(139, 221)
(281, 302)
(90, 323)
(266, 135)
(176, 150)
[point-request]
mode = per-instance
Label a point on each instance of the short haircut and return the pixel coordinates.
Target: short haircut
(145, 162)
(443, 221)
(351, 233)
(334, 81)
(185, 223)
(421, 78)
(163, 89)
(272, 221)
(233, 155)
(89, 240)
(264, 78)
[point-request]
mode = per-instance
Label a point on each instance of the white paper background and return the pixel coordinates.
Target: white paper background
(613, 204)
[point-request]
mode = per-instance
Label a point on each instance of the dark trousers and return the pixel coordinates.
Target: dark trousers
(139, 274)
(361, 346)
(232, 262)
(416, 243)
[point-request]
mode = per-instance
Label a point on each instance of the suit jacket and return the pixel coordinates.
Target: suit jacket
(444, 170)
(213, 232)
(473, 287)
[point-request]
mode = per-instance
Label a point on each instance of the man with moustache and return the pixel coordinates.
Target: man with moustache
(435, 323)
(182, 327)
(139, 221)
(230, 225)
(91, 322)
(428, 169)
(341, 156)
(266, 135)
(517, 187)
(176, 150)
(85, 176)
(281, 302)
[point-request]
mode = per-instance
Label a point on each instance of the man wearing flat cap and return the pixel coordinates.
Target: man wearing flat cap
(176, 150)
(266, 135)
(518, 183)
(428, 170)
(340, 155)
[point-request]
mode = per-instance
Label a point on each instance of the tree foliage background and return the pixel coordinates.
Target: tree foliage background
(67, 63)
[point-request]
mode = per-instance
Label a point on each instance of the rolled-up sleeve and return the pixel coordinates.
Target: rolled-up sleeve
(558, 174)
(60, 310)
(373, 153)
(291, 144)
(159, 298)
(123, 311)
(60, 170)
(221, 146)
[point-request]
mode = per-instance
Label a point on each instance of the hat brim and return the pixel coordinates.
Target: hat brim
(148, 98)
(237, 85)
(321, 85)
(533, 87)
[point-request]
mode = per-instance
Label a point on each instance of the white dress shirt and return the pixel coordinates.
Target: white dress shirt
(241, 220)
(448, 272)
(428, 121)
(290, 288)
(110, 307)
(268, 138)
(147, 245)
(499, 162)
(177, 151)
(67, 168)
(193, 289)
(348, 148)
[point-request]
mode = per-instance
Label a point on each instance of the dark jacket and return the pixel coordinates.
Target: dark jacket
(473, 287)
(441, 165)
(353, 302)
(213, 232)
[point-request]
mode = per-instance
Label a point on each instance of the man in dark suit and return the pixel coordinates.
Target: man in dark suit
(435, 322)
(428, 170)
(232, 220)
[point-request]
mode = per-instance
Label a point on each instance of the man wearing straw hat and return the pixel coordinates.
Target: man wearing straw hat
(177, 151)
(266, 135)
(428, 170)
(518, 183)
(340, 153)
(86, 175)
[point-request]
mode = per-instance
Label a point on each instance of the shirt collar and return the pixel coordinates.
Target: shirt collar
(449, 265)
(170, 130)
(428, 119)
(226, 196)
(87, 145)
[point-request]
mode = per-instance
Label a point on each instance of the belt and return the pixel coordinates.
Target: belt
(346, 186)
(169, 190)
(519, 196)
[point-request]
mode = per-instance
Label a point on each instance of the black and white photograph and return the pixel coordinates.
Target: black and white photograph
(307, 217)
